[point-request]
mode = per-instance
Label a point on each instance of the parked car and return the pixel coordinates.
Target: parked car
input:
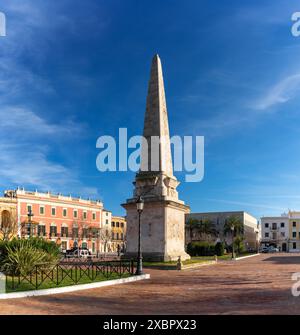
(273, 249)
(264, 250)
(81, 252)
(270, 249)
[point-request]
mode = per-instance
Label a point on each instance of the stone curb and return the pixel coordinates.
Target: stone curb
(197, 265)
(73, 288)
(240, 258)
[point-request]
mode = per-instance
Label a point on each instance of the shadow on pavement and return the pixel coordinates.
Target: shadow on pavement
(283, 259)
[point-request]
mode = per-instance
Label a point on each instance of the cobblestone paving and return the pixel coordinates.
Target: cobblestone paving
(257, 285)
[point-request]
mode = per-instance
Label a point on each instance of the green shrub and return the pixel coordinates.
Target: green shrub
(20, 256)
(239, 245)
(219, 249)
(201, 249)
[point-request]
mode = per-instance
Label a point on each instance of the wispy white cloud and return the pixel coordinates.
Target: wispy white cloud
(280, 93)
(30, 137)
(30, 166)
(24, 122)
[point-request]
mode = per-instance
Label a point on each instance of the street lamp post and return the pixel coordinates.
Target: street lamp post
(232, 230)
(30, 215)
(140, 208)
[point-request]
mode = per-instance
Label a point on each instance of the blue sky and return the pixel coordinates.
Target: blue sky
(71, 71)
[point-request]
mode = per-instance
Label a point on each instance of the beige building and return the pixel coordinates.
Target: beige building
(8, 217)
(294, 231)
(218, 219)
(275, 231)
(118, 233)
(282, 231)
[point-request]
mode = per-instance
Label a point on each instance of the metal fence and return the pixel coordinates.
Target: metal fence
(70, 272)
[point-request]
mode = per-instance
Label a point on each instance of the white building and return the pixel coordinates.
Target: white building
(275, 231)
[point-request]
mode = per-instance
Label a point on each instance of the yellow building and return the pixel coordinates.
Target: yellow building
(8, 217)
(294, 232)
(118, 233)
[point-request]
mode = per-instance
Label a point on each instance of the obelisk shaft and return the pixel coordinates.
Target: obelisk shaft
(156, 124)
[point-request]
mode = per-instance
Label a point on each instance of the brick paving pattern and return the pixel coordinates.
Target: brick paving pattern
(257, 285)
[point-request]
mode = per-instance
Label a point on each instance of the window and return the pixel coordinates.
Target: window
(93, 247)
(53, 211)
(94, 216)
(53, 231)
(266, 225)
(75, 213)
(113, 224)
(29, 208)
(118, 224)
(64, 231)
(106, 221)
(282, 234)
(274, 225)
(122, 236)
(122, 224)
(294, 234)
(113, 236)
(75, 232)
(282, 225)
(294, 245)
(294, 224)
(85, 232)
(117, 236)
(106, 213)
(42, 210)
(266, 234)
(84, 215)
(41, 230)
(64, 212)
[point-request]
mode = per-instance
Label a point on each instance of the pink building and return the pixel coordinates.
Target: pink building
(66, 220)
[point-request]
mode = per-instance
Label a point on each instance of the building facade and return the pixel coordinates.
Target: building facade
(8, 217)
(294, 231)
(218, 219)
(282, 231)
(66, 220)
(275, 231)
(118, 234)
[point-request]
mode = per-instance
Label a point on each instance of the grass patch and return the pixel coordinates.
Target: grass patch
(193, 260)
(62, 279)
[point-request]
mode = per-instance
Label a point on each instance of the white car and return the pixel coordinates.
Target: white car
(273, 249)
(82, 253)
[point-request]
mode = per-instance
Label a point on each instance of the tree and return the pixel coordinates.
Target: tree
(8, 225)
(192, 224)
(238, 232)
(207, 228)
(84, 230)
(239, 244)
(237, 223)
(105, 236)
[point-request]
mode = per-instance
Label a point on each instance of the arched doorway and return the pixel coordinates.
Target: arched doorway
(284, 249)
(5, 219)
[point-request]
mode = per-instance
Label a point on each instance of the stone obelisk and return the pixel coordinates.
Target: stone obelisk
(163, 217)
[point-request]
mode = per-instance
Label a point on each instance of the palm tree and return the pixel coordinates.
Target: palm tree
(207, 228)
(236, 222)
(238, 231)
(192, 224)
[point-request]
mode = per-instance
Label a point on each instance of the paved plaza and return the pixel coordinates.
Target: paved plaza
(257, 285)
